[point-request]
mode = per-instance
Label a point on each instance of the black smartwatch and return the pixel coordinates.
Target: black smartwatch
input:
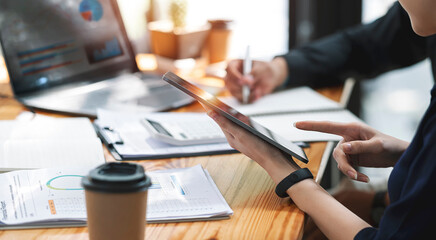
(378, 207)
(291, 179)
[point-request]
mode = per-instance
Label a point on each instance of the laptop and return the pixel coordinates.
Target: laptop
(74, 56)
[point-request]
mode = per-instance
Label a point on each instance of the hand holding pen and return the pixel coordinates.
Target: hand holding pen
(263, 78)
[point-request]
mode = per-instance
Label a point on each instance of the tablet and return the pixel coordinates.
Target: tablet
(230, 113)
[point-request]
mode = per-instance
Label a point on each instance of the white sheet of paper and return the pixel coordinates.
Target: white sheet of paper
(190, 193)
(49, 142)
(278, 111)
(47, 128)
(283, 124)
(43, 153)
(292, 100)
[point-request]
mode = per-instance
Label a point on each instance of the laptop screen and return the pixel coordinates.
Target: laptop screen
(51, 42)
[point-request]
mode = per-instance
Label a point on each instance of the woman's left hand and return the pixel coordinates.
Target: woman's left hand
(266, 155)
(361, 146)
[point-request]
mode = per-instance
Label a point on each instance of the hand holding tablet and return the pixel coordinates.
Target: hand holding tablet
(245, 122)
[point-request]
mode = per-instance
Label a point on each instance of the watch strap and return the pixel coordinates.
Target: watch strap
(291, 179)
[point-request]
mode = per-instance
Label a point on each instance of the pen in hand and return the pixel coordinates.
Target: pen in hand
(246, 71)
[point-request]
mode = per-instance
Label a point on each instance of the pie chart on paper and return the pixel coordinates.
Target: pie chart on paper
(91, 10)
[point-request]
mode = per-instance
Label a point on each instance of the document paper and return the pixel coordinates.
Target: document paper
(55, 197)
(49, 142)
(301, 99)
(279, 111)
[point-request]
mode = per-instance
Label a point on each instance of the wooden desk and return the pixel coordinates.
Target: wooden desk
(258, 212)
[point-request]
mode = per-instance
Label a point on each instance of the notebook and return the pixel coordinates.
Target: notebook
(74, 57)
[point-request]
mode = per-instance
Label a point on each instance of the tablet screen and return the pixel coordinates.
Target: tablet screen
(246, 122)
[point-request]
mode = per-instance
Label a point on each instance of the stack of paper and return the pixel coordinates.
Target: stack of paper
(49, 142)
(55, 198)
(185, 195)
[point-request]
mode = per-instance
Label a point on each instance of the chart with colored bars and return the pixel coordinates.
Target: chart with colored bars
(49, 57)
(103, 49)
(91, 10)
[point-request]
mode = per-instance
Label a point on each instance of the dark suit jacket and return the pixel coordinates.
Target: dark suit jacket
(364, 51)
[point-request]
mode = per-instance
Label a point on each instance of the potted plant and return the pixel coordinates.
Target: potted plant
(174, 39)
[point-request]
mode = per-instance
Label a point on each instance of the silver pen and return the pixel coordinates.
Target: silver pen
(246, 71)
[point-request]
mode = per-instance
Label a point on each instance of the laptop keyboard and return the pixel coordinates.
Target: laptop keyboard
(162, 96)
(159, 96)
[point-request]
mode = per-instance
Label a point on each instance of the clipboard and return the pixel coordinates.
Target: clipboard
(113, 140)
(101, 133)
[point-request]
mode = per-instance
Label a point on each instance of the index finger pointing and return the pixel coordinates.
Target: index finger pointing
(323, 126)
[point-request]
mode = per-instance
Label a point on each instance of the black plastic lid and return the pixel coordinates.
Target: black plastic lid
(117, 178)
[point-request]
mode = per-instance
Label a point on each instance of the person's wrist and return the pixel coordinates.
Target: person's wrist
(278, 167)
(396, 147)
(289, 181)
(280, 69)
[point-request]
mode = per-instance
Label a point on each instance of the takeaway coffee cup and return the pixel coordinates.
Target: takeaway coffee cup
(116, 201)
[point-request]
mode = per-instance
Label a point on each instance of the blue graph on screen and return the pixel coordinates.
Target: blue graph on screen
(111, 49)
(91, 10)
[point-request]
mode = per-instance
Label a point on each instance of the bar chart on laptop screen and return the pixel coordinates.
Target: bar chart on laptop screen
(48, 57)
(51, 40)
(103, 49)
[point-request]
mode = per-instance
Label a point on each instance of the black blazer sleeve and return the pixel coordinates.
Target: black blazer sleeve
(364, 51)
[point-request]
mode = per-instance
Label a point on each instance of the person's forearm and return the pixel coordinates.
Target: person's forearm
(334, 220)
(280, 66)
